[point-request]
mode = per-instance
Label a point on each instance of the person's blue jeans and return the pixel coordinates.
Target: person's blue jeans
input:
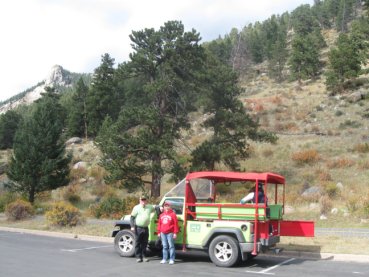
(168, 244)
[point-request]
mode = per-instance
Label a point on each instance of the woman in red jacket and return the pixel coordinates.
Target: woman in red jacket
(167, 230)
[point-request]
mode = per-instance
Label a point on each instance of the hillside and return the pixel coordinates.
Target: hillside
(322, 146)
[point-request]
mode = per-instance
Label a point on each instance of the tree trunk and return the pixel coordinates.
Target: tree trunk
(31, 196)
(156, 176)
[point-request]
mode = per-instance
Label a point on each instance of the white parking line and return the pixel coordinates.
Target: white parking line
(82, 249)
(266, 271)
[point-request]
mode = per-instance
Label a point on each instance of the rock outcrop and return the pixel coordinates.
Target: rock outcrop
(57, 77)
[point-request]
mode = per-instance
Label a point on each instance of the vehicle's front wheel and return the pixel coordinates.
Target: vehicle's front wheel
(124, 243)
(224, 251)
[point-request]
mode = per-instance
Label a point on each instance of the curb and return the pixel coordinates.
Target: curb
(285, 253)
(58, 234)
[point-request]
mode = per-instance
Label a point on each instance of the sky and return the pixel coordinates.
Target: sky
(38, 34)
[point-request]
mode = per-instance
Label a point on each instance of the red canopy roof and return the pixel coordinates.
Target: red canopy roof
(227, 176)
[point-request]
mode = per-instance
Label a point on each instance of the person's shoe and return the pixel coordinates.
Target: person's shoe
(145, 259)
(163, 262)
(139, 260)
(171, 262)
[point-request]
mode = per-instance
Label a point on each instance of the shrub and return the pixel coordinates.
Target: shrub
(18, 210)
(363, 165)
(78, 173)
(340, 163)
(338, 113)
(324, 175)
(71, 195)
(5, 199)
(362, 148)
(350, 123)
(352, 203)
(110, 206)
(332, 190)
(64, 214)
(97, 172)
(325, 205)
(101, 190)
(305, 157)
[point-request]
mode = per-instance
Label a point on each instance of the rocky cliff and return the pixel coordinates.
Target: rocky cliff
(57, 77)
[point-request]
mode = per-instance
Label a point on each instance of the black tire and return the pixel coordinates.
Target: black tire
(124, 243)
(224, 251)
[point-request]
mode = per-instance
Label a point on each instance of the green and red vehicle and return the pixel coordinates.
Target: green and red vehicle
(228, 232)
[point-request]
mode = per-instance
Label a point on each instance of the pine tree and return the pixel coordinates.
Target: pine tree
(344, 63)
(303, 21)
(304, 58)
(8, 126)
(345, 14)
(77, 116)
(231, 125)
(165, 62)
(39, 162)
(103, 97)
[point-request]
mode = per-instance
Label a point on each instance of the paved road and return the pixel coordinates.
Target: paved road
(30, 255)
(343, 232)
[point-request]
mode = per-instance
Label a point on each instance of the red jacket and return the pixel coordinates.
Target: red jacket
(168, 222)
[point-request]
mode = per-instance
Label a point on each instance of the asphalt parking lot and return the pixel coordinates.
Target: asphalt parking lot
(24, 254)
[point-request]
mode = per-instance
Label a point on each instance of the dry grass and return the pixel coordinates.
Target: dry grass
(326, 244)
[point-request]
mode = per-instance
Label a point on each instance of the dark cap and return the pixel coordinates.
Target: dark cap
(143, 197)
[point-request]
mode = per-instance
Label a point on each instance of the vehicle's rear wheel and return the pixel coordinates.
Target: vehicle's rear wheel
(224, 251)
(124, 243)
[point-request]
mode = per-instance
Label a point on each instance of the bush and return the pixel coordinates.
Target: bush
(5, 199)
(64, 214)
(71, 195)
(110, 206)
(325, 205)
(340, 163)
(19, 210)
(306, 157)
(332, 190)
(362, 148)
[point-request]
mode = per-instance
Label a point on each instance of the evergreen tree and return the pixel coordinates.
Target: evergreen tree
(103, 97)
(303, 21)
(232, 127)
(77, 116)
(366, 6)
(166, 62)
(278, 53)
(9, 122)
(254, 40)
(345, 14)
(304, 58)
(39, 162)
(320, 10)
(344, 63)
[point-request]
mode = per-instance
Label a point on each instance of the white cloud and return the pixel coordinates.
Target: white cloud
(37, 34)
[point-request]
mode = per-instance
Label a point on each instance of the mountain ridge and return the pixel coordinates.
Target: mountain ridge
(57, 77)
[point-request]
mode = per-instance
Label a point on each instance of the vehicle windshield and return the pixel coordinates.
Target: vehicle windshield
(202, 188)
